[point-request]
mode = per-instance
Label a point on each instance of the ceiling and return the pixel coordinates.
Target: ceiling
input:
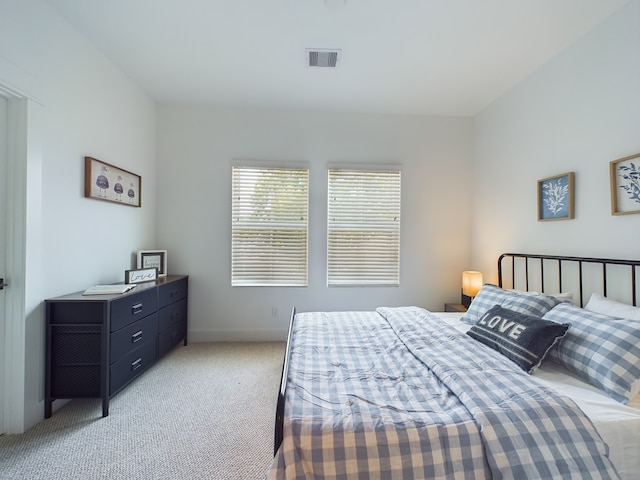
(425, 57)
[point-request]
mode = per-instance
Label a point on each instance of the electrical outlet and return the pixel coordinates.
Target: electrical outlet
(274, 312)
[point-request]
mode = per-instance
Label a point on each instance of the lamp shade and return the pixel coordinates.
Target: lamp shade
(471, 283)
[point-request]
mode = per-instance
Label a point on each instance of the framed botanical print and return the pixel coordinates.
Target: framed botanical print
(624, 174)
(556, 197)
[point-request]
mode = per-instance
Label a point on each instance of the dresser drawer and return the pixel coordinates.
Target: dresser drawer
(130, 308)
(172, 292)
(132, 336)
(174, 313)
(171, 337)
(131, 365)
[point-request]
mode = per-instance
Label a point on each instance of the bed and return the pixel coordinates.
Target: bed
(407, 393)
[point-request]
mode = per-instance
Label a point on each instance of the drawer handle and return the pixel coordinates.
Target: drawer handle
(176, 315)
(174, 293)
(136, 337)
(136, 309)
(136, 364)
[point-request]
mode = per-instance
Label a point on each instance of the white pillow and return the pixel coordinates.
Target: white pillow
(599, 304)
(560, 296)
(563, 297)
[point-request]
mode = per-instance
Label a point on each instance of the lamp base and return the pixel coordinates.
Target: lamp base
(465, 300)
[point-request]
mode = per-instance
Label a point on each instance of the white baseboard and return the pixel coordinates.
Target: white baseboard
(237, 335)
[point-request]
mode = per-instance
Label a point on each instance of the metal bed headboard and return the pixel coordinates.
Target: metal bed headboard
(526, 260)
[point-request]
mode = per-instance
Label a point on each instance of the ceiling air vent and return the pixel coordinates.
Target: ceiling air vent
(317, 57)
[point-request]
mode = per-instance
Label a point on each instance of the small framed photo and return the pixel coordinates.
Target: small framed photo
(153, 259)
(625, 185)
(103, 181)
(556, 197)
(141, 275)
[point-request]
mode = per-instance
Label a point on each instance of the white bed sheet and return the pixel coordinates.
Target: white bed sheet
(618, 424)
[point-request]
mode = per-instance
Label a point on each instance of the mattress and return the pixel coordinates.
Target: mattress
(617, 424)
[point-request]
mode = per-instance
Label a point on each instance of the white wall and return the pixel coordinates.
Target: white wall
(577, 113)
(196, 148)
(85, 106)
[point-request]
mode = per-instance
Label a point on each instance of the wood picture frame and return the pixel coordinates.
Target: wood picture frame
(624, 175)
(153, 259)
(103, 181)
(140, 275)
(556, 197)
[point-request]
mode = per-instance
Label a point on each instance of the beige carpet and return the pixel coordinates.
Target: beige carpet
(205, 411)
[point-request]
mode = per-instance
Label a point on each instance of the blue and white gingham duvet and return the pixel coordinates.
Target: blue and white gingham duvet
(397, 393)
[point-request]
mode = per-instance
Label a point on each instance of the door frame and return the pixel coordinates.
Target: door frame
(24, 138)
(4, 135)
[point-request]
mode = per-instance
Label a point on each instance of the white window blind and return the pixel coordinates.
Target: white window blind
(269, 226)
(363, 246)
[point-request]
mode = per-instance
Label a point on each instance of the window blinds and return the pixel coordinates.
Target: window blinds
(269, 226)
(363, 228)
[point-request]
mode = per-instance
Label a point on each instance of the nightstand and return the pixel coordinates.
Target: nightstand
(454, 307)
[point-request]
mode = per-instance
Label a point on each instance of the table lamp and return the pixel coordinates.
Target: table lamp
(471, 285)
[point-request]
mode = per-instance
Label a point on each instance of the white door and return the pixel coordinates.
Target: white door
(3, 253)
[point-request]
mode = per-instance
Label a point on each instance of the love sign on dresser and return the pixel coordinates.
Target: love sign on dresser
(141, 275)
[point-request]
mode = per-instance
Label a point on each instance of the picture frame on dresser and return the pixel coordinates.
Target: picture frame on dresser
(153, 259)
(624, 175)
(556, 197)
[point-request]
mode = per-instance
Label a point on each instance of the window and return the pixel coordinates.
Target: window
(269, 226)
(363, 228)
